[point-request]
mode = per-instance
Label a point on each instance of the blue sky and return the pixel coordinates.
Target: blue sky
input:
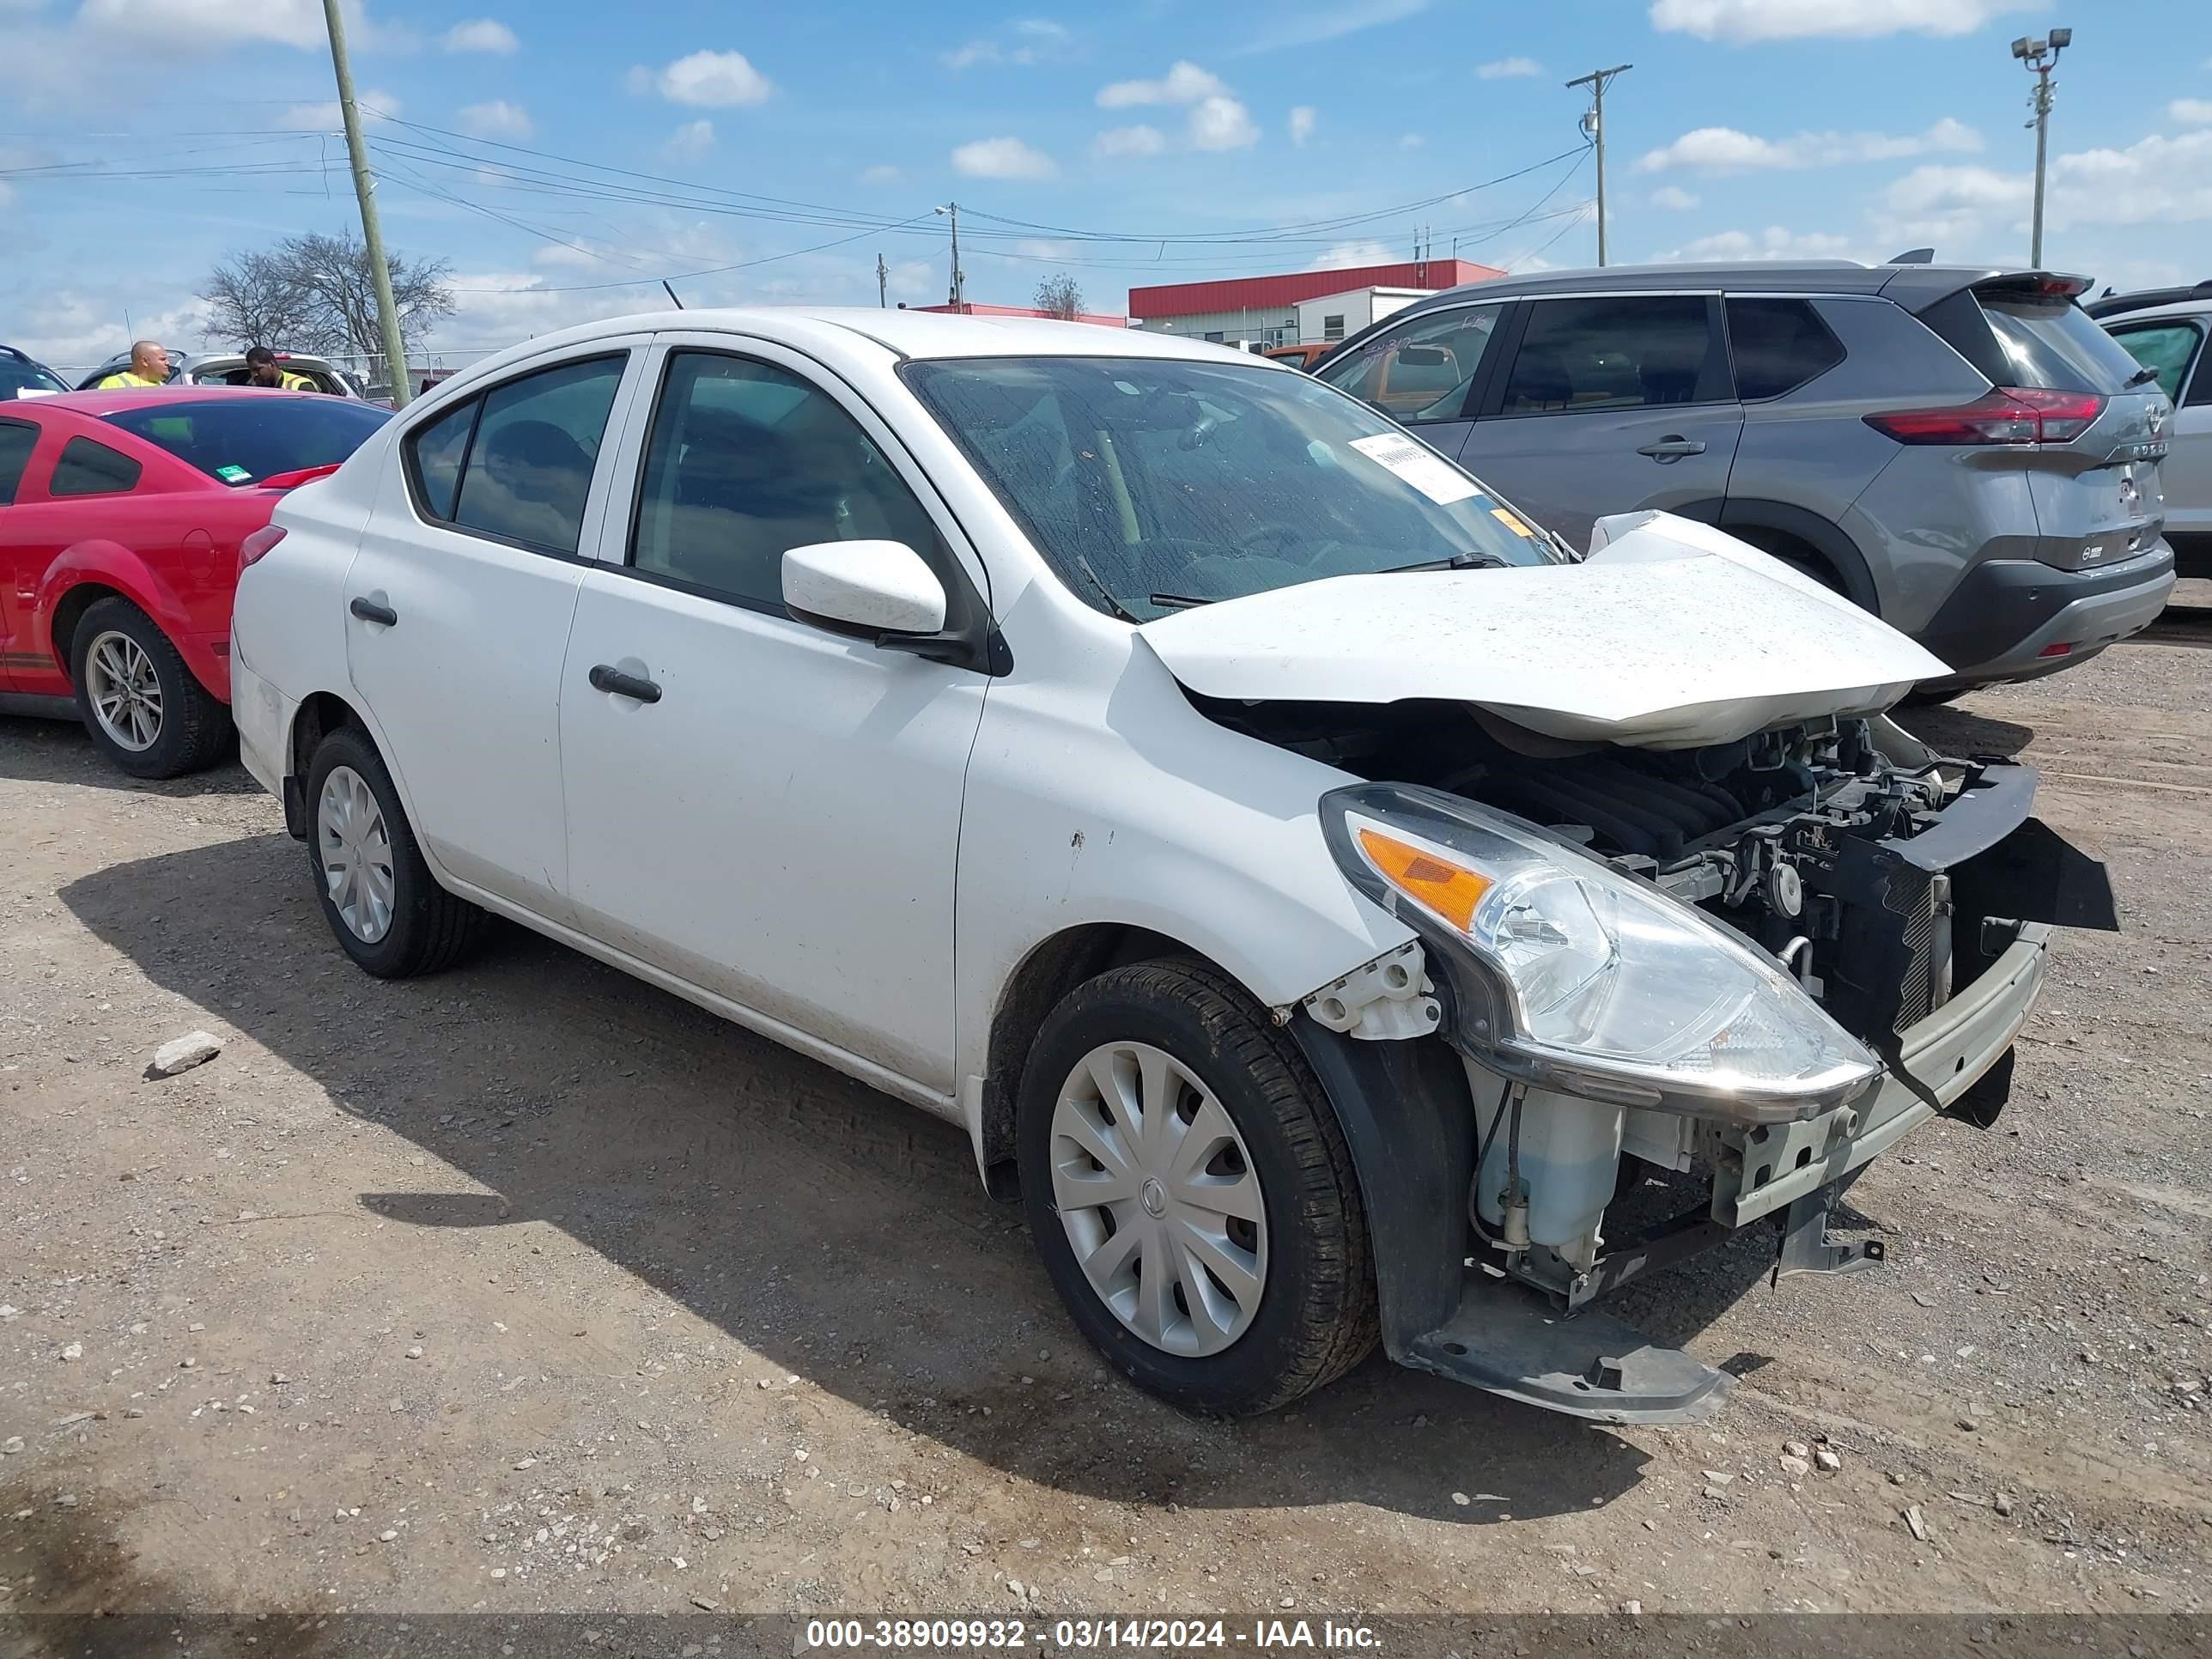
(551, 151)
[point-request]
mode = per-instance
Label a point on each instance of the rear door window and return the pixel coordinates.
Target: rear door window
(1637, 352)
(87, 468)
(1777, 346)
(2169, 349)
(2052, 344)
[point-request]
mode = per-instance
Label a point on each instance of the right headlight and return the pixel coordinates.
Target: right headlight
(1570, 974)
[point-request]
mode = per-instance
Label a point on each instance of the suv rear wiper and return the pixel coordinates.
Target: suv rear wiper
(2137, 379)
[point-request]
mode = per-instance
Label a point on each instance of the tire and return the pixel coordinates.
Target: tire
(143, 708)
(395, 921)
(1918, 699)
(1313, 1317)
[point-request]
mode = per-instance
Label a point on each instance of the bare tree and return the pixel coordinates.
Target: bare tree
(1058, 296)
(317, 293)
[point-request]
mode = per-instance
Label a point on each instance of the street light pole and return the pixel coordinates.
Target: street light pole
(1593, 127)
(2040, 58)
(364, 190)
(959, 283)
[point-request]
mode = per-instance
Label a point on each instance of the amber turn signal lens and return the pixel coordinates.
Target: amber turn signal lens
(1450, 889)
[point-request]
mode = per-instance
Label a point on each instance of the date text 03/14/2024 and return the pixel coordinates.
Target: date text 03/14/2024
(1088, 1635)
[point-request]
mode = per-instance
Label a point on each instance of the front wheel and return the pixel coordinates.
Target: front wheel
(1190, 1191)
(143, 708)
(377, 892)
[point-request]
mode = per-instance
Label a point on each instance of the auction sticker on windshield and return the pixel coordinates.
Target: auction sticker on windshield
(1418, 466)
(233, 474)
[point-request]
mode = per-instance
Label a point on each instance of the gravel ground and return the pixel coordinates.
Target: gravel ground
(529, 1288)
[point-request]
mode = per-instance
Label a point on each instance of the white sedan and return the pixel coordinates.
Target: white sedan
(1321, 895)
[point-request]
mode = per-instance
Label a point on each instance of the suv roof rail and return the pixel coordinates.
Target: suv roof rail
(1913, 256)
(2109, 304)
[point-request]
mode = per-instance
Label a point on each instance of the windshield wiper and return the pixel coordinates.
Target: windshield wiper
(1469, 560)
(1120, 609)
(1177, 601)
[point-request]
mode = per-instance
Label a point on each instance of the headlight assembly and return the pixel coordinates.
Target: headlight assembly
(1570, 974)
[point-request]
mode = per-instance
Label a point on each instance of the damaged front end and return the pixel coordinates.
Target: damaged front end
(1762, 961)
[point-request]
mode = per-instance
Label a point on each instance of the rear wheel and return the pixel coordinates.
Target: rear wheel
(383, 904)
(1190, 1191)
(143, 708)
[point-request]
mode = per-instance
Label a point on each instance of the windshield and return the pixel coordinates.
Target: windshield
(254, 435)
(19, 374)
(1149, 484)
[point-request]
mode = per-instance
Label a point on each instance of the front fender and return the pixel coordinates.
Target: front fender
(111, 565)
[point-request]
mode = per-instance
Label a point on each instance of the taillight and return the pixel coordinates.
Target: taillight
(2011, 415)
(258, 543)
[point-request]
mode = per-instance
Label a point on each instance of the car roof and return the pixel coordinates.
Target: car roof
(911, 334)
(2201, 307)
(99, 404)
(1913, 286)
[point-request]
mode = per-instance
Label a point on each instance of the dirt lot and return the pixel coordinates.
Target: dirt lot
(529, 1288)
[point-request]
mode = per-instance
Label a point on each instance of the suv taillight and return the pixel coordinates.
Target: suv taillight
(258, 543)
(2010, 414)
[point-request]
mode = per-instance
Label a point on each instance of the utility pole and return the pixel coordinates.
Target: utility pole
(2040, 58)
(882, 282)
(959, 283)
(1593, 129)
(372, 236)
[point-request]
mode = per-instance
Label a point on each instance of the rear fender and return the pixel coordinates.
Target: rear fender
(110, 565)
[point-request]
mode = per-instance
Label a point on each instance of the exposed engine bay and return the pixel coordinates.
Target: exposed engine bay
(1787, 836)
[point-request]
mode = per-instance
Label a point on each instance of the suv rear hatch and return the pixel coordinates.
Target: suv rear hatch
(2070, 407)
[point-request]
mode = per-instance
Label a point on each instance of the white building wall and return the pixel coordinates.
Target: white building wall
(1296, 324)
(1357, 308)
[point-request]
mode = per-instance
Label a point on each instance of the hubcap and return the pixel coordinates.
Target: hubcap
(356, 850)
(1158, 1199)
(124, 691)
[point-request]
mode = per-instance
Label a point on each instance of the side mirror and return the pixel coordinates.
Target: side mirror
(867, 588)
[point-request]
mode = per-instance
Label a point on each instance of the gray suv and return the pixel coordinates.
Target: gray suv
(1961, 451)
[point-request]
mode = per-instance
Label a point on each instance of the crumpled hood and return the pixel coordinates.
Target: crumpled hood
(1671, 635)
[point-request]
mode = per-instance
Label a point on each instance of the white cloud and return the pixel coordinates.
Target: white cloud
(705, 80)
(1673, 198)
(1725, 149)
(481, 34)
(1183, 84)
(1222, 124)
(1128, 141)
(375, 105)
(2190, 112)
(1507, 69)
(1345, 255)
(74, 330)
(1032, 248)
(2157, 180)
(1744, 20)
(1773, 243)
(496, 119)
(1411, 140)
(882, 174)
(1302, 124)
(1034, 40)
(691, 140)
(1002, 158)
(209, 23)
(1334, 23)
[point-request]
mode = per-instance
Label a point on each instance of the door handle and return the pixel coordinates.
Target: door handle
(607, 677)
(370, 611)
(1673, 447)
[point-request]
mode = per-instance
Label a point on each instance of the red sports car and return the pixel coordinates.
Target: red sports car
(122, 515)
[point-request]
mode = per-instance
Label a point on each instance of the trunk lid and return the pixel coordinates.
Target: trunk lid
(1671, 635)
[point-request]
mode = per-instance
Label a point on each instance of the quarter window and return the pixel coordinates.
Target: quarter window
(747, 461)
(1777, 345)
(17, 440)
(1635, 352)
(87, 468)
(1422, 369)
(434, 454)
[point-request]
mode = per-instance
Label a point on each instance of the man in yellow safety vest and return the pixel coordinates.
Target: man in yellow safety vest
(149, 366)
(262, 368)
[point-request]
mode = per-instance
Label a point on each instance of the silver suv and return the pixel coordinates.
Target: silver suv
(2164, 330)
(1961, 451)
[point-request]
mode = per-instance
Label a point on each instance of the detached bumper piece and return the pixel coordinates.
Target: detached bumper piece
(1806, 1248)
(1510, 1340)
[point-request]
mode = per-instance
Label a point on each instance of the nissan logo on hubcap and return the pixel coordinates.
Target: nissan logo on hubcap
(1153, 1197)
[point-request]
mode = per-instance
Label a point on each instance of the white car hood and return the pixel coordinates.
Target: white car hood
(1671, 635)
